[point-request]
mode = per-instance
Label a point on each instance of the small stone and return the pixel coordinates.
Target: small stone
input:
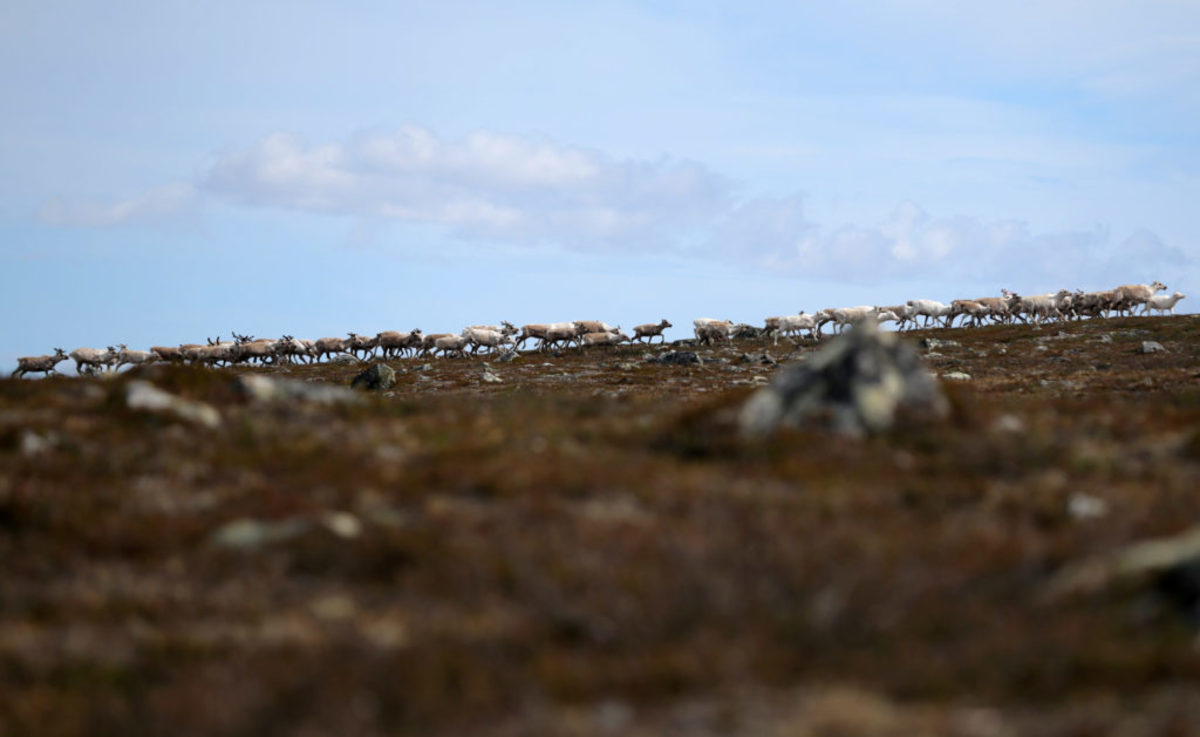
(1010, 424)
(489, 377)
(1105, 338)
(379, 377)
(1151, 346)
(342, 524)
(251, 534)
(627, 366)
(506, 356)
(1086, 506)
(33, 444)
(957, 376)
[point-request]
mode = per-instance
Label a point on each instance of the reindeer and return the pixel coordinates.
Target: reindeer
(39, 364)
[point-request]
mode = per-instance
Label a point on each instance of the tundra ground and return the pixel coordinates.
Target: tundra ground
(587, 548)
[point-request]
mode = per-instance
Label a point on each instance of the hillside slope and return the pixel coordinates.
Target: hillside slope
(586, 547)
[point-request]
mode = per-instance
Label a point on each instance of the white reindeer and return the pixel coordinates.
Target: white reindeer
(1163, 303)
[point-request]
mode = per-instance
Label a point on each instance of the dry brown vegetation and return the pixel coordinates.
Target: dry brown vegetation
(587, 548)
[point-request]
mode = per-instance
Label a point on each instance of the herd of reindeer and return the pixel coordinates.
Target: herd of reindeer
(1008, 308)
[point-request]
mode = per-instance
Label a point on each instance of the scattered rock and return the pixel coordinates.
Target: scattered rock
(265, 389)
(1151, 346)
(957, 376)
(33, 444)
(677, 358)
(1060, 335)
(1086, 506)
(627, 366)
(506, 356)
(144, 396)
(854, 386)
(489, 377)
(342, 524)
(766, 359)
(251, 534)
(1105, 338)
(1010, 424)
(343, 358)
(933, 344)
(1041, 347)
(379, 377)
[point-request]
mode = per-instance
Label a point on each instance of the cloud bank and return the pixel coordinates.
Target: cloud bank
(486, 185)
(509, 189)
(912, 244)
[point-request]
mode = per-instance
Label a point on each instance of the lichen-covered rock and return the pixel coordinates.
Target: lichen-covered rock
(379, 377)
(854, 386)
(1151, 346)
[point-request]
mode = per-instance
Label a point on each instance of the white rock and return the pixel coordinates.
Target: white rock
(343, 524)
(144, 396)
(1086, 506)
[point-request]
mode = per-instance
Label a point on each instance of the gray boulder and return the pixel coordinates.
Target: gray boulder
(854, 386)
(379, 377)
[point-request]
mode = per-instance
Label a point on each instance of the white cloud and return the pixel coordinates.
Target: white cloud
(774, 235)
(156, 205)
(485, 185)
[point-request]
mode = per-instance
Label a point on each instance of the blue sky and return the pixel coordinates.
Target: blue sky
(176, 170)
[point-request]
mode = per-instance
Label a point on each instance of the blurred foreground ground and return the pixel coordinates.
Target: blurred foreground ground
(587, 548)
